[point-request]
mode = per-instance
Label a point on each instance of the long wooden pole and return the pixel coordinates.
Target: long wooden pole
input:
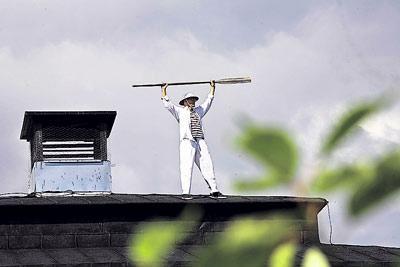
(220, 81)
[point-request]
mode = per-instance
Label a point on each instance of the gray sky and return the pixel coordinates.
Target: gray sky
(307, 59)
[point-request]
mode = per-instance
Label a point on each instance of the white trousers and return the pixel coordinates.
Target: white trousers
(190, 152)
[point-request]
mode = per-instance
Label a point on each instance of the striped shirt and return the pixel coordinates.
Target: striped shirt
(182, 115)
(195, 126)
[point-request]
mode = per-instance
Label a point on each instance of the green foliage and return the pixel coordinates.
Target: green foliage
(150, 248)
(315, 258)
(283, 255)
(275, 150)
(157, 239)
(347, 178)
(385, 183)
(262, 241)
(348, 122)
(367, 184)
(247, 242)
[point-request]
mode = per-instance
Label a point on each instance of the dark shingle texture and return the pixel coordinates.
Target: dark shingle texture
(95, 230)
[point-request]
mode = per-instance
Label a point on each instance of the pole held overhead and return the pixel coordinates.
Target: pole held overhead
(220, 81)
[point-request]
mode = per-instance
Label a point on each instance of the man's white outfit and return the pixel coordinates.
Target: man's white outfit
(192, 150)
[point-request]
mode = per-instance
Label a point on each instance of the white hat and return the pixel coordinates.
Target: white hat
(186, 96)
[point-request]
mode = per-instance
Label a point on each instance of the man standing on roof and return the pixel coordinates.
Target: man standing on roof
(193, 148)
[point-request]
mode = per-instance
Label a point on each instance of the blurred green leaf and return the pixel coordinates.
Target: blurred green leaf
(348, 122)
(385, 183)
(347, 177)
(154, 240)
(257, 183)
(283, 255)
(150, 248)
(247, 242)
(315, 258)
(275, 150)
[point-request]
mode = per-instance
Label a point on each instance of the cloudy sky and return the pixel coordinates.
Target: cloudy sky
(308, 61)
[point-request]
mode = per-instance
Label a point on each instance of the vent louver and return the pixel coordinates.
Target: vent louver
(69, 150)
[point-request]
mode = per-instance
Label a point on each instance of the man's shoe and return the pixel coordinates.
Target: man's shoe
(187, 196)
(216, 195)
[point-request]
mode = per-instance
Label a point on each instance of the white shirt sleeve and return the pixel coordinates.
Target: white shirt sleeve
(203, 108)
(171, 107)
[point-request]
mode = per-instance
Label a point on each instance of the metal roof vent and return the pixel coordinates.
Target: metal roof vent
(68, 150)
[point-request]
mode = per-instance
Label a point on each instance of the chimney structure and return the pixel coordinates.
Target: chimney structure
(68, 150)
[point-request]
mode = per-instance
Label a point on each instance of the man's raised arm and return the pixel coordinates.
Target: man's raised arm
(207, 103)
(167, 103)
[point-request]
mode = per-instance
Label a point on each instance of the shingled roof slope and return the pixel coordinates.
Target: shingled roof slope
(90, 230)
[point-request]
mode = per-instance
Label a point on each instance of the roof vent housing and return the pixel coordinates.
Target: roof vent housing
(68, 150)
